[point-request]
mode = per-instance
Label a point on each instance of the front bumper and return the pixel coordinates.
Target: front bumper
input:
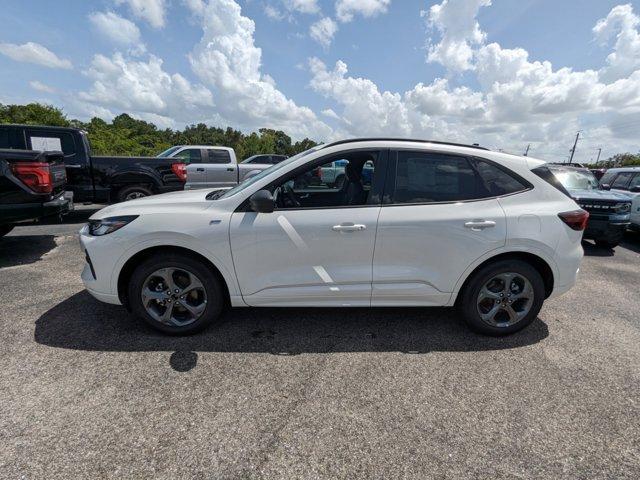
(606, 228)
(96, 277)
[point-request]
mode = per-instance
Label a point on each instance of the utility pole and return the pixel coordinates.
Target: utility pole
(527, 150)
(598, 159)
(573, 150)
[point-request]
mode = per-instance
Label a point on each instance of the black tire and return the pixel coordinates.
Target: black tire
(131, 192)
(212, 286)
(468, 300)
(4, 229)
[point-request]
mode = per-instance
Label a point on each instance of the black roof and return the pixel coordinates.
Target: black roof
(48, 127)
(391, 139)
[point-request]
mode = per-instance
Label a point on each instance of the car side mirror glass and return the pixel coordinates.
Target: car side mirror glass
(605, 186)
(635, 189)
(262, 202)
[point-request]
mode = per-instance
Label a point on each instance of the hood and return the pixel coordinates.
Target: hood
(164, 203)
(598, 195)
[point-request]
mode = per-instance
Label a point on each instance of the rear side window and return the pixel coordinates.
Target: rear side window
(547, 175)
(423, 177)
(219, 156)
(622, 181)
(495, 181)
(11, 138)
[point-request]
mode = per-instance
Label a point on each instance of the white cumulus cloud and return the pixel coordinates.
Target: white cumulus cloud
(41, 87)
(347, 9)
(151, 11)
(31, 52)
(117, 29)
(323, 31)
(620, 24)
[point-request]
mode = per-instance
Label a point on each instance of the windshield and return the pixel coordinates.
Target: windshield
(268, 171)
(577, 179)
(168, 152)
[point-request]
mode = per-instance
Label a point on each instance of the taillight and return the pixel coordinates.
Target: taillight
(180, 169)
(575, 219)
(35, 175)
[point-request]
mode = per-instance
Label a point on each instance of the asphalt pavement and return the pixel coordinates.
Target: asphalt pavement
(87, 391)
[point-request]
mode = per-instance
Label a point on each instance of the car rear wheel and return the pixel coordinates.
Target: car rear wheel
(131, 192)
(4, 229)
(502, 297)
(175, 294)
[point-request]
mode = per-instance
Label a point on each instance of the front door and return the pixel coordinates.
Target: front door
(316, 248)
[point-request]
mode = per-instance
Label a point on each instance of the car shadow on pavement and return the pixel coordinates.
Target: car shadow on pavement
(593, 250)
(82, 323)
(22, 250)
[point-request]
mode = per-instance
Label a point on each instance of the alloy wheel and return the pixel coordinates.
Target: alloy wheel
(505, 299)
(174, 296)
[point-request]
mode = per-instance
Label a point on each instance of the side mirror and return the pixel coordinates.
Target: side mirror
(605, 186)
(635, 189)
(262, 202)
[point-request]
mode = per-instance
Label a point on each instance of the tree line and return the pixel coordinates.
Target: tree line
(127, 136)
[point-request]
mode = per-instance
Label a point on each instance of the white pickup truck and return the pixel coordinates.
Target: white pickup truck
(219, 168)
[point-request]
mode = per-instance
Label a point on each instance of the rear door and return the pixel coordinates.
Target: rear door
(438, 217)
(635, 206)
(221, 171)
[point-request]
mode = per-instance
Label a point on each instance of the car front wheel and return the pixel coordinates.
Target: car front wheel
(175, 293)
(502, 297)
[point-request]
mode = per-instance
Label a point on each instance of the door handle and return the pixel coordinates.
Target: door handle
(199, 169)
(478, 225)
(349, 227)
(72, 165)
(230, 169)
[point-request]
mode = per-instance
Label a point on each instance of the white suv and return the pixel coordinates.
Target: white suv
(438, 225)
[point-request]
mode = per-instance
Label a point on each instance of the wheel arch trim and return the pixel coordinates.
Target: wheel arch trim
(505, 252)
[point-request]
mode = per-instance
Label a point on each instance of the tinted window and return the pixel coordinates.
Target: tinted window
(11, 138)
(622, 180)
(431, 177)
(547, 175)
(495, 181)
(346, 182)
(635, 181)
(219, 156)
(189, 155)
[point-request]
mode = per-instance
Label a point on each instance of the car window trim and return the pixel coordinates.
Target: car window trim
(388, 196)
(379, 180)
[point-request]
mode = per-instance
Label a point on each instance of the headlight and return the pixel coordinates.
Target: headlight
(109, 225)
(622, 208)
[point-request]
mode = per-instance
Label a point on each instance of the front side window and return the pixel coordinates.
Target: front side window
(607, 178)
(341, 181)
(189, 155)
(635, 181)
(622, 180)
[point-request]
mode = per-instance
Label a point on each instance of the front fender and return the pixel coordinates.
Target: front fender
(174, 239)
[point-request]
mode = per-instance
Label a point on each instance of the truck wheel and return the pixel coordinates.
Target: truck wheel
(131, 192)
(502, 297)
(4, 229)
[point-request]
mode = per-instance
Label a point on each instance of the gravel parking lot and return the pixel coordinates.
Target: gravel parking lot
(87, 391)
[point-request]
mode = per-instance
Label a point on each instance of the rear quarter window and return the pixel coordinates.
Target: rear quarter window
(548, 176)
(496, 181)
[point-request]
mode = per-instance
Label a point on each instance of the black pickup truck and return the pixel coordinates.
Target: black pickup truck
(32, 187)
(97, 179)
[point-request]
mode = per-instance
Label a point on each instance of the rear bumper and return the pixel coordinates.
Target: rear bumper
(25, 212)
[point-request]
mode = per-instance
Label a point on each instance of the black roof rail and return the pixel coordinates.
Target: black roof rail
(391, 139)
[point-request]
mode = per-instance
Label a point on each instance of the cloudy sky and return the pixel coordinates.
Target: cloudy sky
(504, 73)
